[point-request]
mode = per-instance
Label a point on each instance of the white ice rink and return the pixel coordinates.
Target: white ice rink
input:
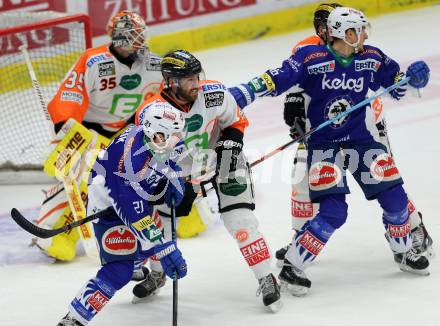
(355, 280)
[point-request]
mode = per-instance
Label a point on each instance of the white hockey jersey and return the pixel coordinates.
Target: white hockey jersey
(100, 89)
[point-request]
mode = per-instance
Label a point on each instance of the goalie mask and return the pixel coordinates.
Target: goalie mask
(128, 31)
(342, 19)
(163, 126)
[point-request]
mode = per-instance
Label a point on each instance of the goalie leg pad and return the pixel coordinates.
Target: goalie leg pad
(242, 224)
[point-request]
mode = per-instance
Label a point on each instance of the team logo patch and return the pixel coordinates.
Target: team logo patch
(130, 82)
(383, 168)
(311, 243)
(214, 99)
(193, 123)
(324, 175)
(321, 68)
(302, 209)
(255, 252)
(106, 69)
(367, 64)
(233, 187)
(119, 240)
(335, 107)
(399, 231)
(241, 235)
(97, 300)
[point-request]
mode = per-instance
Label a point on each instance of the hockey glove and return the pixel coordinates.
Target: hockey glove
(400, 91)
(228, 150)
(243, 95)
(297, 130)
(294, 107)
(175, 187)
(419, 74)
(171, 259)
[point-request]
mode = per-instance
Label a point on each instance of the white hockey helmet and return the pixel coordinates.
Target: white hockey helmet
(344, 18)
(163, 126)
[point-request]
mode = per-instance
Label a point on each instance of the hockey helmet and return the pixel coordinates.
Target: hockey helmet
(344, 18)
(128, 31)
(321, 14)
(180, 63)
(163, 125)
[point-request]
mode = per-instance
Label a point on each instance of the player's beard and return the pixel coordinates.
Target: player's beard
(188, 96)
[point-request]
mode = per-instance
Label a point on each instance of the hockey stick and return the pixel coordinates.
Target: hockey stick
(30, 227)
(330, 121)
(72, 190)
(174, 238)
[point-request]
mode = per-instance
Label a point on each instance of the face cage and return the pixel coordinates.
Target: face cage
(165, 146)
(133, 40)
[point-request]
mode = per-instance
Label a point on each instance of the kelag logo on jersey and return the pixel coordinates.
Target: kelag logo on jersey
(193, 123)
(321, 68)
(351, 84)
(335, 107)
(368, 64)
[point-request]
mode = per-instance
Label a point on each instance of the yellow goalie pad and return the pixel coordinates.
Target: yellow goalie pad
(74, 141)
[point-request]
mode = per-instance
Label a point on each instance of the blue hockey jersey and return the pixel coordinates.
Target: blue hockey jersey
(129, 178)
(332, 84)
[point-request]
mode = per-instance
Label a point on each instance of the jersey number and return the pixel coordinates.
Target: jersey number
(108, 83)
(75, 80)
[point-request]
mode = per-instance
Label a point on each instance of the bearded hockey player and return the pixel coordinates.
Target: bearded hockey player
(335, 77)
(214, 128)
(102, 92)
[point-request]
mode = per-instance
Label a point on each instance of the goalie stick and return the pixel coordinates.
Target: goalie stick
(30, 227)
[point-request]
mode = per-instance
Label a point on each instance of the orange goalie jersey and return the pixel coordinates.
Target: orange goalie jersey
(99, 89)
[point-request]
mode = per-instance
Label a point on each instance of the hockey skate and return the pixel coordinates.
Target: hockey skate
(422, 242)
(69, 321)
(140, 274)
(268, 286)
(412, 262)
(293, 280)
(280, 254)
(151, 285)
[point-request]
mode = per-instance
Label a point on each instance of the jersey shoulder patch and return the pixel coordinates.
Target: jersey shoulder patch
(213, 93)
(98, 54)
(153, 63)
(372, 52)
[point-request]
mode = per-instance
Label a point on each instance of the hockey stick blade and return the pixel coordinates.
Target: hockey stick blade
(30, 227)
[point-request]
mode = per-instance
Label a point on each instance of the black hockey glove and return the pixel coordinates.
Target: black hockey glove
(297, 130)
(294, 107)
(228, 149)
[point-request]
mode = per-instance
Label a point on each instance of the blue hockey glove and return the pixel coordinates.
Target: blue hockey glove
(171, 259)
(419, 74)
(175, 187)
(243, 95)
(400, 91)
